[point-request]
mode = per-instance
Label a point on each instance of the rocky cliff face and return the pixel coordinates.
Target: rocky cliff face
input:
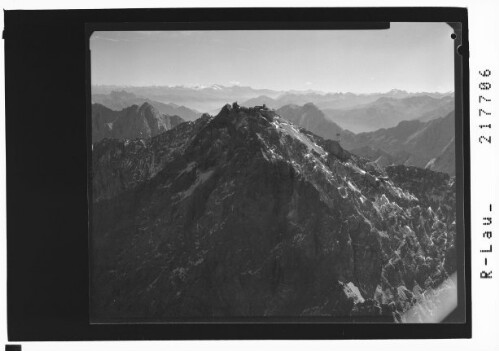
(245, 214)
(132, 122)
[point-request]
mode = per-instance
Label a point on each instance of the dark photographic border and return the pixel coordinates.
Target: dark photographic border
(48, 170)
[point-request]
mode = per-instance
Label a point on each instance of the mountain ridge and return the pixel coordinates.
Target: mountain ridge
(413, 143)
(312, 119)
(132, 122)
(387, 112)
(245, 214)
(210, 98)
(119, 99)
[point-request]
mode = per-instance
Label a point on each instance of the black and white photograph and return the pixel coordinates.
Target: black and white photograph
(259, 174)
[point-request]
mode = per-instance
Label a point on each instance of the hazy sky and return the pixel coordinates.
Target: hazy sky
(409, 56)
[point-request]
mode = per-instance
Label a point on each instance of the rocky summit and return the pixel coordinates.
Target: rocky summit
(246, 215)
(135, 121)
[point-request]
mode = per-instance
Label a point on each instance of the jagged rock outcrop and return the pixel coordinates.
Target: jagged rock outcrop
(245, 214)
(132, 122)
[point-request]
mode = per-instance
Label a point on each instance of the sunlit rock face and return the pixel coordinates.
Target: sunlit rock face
(245, 214)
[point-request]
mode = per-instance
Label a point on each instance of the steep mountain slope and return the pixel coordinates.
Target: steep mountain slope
(446, 160)
(387, 112)
(130, 123)
(245, 214)
(102, 119)
(312, 119)
(381, 157)
(412, 143)
(118, 100)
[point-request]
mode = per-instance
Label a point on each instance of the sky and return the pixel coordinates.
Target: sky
(409, 56)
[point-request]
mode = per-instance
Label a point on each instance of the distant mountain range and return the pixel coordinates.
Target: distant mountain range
(387, 112)
(118, 100)
(341, 101)
(396, 127)
(312, 119)
(413, 143)
(132, 122)
(204, 99)
(209, 99)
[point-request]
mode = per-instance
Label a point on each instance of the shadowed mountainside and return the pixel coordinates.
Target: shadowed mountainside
(411, 143)
(245, 214)
(415, 143)
(132, 122)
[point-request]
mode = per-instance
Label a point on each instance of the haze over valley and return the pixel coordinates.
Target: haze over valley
(395, 127)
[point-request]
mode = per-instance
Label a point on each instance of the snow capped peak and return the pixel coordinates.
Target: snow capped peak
(216, 87)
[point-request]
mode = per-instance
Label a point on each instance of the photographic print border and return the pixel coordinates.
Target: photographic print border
(61, 323)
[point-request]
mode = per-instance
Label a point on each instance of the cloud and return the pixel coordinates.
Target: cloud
(234, 82)
(308, 83)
